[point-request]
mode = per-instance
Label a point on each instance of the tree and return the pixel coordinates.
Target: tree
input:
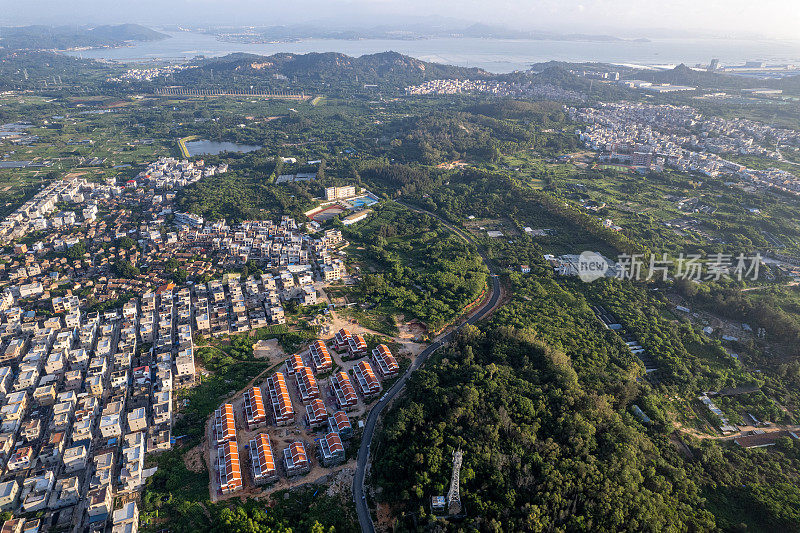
(125, 269)
(76, 251)
(126, 243)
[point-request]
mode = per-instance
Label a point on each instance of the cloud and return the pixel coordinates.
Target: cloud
(771, 17)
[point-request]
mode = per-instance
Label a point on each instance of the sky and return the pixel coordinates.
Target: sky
(768, 18)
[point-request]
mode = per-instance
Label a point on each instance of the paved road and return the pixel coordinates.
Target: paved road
(364, 517)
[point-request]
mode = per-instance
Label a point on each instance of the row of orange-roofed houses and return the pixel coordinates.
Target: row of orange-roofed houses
(228, 466)
(262, 459)
(277, 407)
(364, 373)
(261, 456)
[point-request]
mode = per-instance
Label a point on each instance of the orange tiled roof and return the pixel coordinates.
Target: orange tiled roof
(342, 420)
(343, 336)
(262, 455)
(334, 442)
(385, 359)
(321, 356)
(298, 453)
(358, 343)
(316, 411)
(281, 401)
(306, 378)
(371, 383)
(230, 473)
(254, 405)
(225, 423)
(295, 362)
(345, 386)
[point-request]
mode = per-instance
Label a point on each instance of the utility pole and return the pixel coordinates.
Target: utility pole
(454, 494)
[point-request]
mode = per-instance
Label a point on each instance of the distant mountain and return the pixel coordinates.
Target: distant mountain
(126, 32)
(395, 32)
(384, 68)
(66, 37)
(582, 66)
(486, 31)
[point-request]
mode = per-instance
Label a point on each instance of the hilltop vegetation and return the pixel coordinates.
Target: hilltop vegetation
(416, 266)
(542, 450)
(386, 68)
(25, 69)
(245, 192)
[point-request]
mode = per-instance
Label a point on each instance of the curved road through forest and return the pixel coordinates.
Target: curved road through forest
(364, 517)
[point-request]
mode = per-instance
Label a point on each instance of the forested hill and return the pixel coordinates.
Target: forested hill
(64, 37)
(559, 73)
(683, 75)
(384, 68)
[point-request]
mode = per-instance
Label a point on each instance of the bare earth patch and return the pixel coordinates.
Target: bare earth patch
(193, 459)
(269, 349)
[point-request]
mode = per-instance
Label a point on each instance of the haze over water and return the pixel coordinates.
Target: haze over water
(494, 55)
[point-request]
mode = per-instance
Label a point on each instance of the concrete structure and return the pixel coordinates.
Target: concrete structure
(295, 459)
(8, 494)
(346, 397)
(320, 357)
(254, 412)
(307, 384)
(337, 193)
(224, 424)
(126, 519)
(339, 423)
(316, 414)
(365, 377)
(331, 449)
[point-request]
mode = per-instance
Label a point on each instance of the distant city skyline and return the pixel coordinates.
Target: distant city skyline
(768, 18)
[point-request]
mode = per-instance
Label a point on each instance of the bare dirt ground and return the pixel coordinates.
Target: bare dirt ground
(269, 349)
(193, 459)
(458, 163)
(743, 431)
(405, 338)
(341, 482)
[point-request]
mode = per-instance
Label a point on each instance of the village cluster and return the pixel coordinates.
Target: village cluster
(147, 74)
(299, 413)
(136, 224)
(42, 212)
(86, 395)
(494, 87)
(90, 358)
(653, 136)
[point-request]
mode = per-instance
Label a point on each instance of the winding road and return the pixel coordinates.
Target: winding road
(359, 496)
